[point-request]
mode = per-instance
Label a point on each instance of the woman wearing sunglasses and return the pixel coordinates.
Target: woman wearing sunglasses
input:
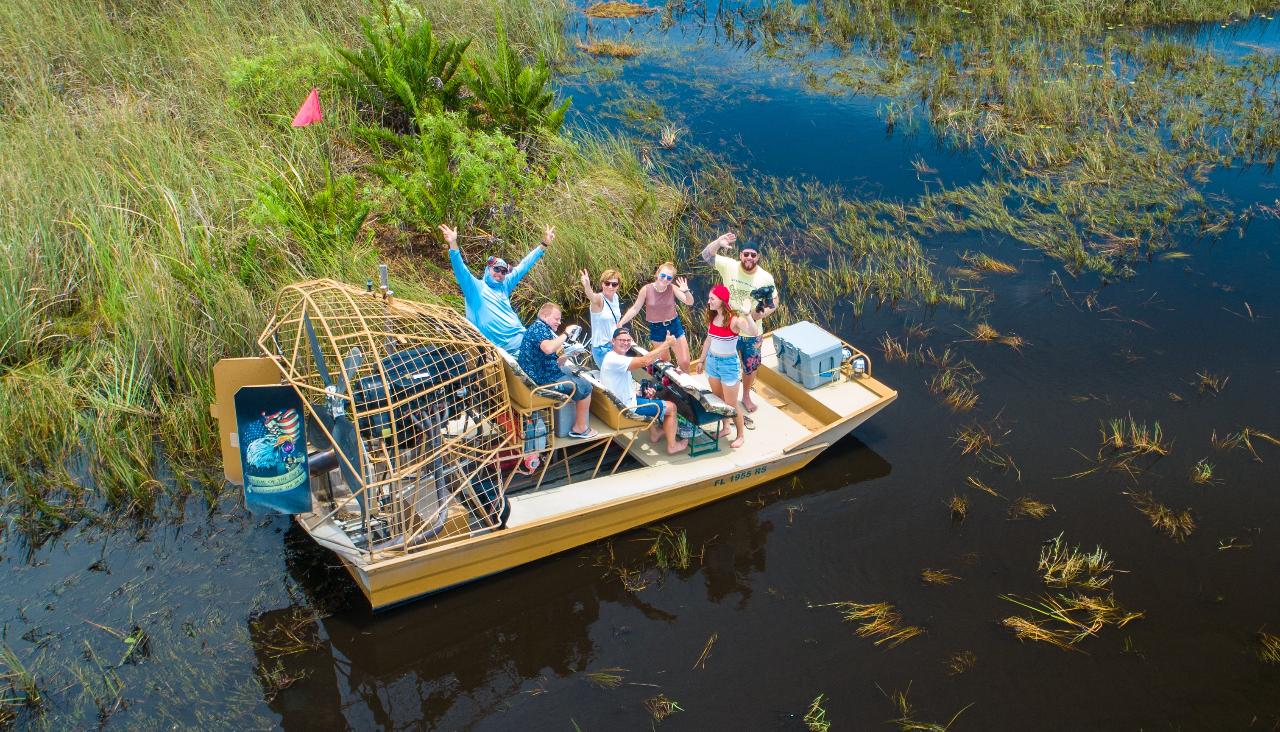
(658, 298)
(606, 311)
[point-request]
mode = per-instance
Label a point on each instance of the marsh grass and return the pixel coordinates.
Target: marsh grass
(978, 484)
(876, 620)
(1028, 507)
(960, 662)
(1208, 382)
(1268, 647)
(937, 577)
(1202, 472)
(660, 707)
(618, 9)
(953, 379)
(986, 263)
(815, 718)
(701, 663)
(670, 548)
(906, 722)
(1173, 524)
(958, 506)
(1061, 565)
(1242, 440)
(605, 678)
(893, 349)
(23, 689)
(611, 49)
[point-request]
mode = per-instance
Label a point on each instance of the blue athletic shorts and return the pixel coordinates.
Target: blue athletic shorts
(725, 368)
(581, 388)
(650, 408)
(658, 332)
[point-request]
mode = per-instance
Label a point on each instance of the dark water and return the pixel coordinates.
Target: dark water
(248, 625)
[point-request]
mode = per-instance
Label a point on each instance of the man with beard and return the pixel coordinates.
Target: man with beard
(742, 276)
(488, 300)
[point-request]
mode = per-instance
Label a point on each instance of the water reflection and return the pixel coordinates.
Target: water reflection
(466, 652)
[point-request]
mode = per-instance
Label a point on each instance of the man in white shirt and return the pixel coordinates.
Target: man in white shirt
(615, 374)
(743, 276)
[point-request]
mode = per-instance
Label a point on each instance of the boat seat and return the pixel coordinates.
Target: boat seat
(526, 394)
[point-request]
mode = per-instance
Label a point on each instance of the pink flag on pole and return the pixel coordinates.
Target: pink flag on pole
(309, 112)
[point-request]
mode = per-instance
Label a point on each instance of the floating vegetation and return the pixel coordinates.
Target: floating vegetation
(605, 678)
(670, 549)
(985, 333)
(1065, 620)
(892, 349)
(984, 263)
(612, 49)
(667, 136)
(973, 439)
(906, 721)
(1028, 507)
(815, 719)
(1209, 382)
(1202, 472)
(958, 663)
(974, 482)
(938, 577)
(959, 507)
(1129, 437)
(660, 707)
(1242, 439)
(1177, 526)
(1268, 647)
(618, 9)
(701, 663)
(1063, 566)
(876, 620)
(23, 688)
(954, 379)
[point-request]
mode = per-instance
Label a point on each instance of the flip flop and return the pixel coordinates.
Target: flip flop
(749, 422)
(584, 435)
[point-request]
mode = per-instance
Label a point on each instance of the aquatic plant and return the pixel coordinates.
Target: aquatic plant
(1202, 472)
(1028, 507)
(1175, 525)
(893, 350)
(618, 9)
(701, 663)
(1207, 381)
(906, 713)
(937, 577)
(876, 620)
(1268, 647)
(961, 661)
(1064, 566)
(815, 718)
(1130, 438)
(606, 678)
(959, 508)
(986, 263)
(660, 707)
(612, 49)
(975, 482)
(1242, 439)
(670, 548)
(667, 137)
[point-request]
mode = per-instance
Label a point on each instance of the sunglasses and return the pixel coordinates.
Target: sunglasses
(665, 276)
(500, 270)
(749, 255)
(611, 283)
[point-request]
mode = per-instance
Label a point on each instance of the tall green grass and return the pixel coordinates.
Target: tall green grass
(140, 150)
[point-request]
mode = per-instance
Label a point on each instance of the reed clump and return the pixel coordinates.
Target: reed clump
(1242, 439)
(960, 662)
(660, 707)
(815, 717)
(1174, 524)
(1028, 507)
(618, 9)
(1061, 565)
(1268, 647)
(959, 508)
(938, 577)
(609, 48)
(606, 678)
(906, 721)
(1202, 472)
(877, 620)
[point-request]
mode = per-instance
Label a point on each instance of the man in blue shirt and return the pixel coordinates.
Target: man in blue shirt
(539, 360)
(488, 300)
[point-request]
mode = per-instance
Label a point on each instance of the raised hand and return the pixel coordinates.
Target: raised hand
(682, 284)
(450, 236)
(548, 236)
(586, 279)
(727, 240)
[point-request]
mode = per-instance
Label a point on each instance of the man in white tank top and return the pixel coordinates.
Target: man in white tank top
(615, 374)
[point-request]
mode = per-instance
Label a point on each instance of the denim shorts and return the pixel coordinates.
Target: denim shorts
(724, 368)
(658, 332)
(599, 352)
(582, 387)
(650, 408)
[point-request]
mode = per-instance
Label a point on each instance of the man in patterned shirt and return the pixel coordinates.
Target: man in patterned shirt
(539, 360)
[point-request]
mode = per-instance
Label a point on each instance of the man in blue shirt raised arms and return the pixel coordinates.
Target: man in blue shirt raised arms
(488, 300)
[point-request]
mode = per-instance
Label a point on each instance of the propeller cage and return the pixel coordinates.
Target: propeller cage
(413, 400)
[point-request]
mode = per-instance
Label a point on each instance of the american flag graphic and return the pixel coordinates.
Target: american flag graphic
(287, 422)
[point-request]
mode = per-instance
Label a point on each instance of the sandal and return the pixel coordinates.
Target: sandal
(584, 435)
(749, 422)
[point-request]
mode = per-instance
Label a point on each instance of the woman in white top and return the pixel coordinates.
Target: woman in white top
(606, 311)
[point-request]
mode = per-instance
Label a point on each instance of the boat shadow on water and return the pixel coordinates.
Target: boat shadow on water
(330, 662)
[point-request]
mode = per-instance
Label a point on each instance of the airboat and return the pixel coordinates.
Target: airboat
(424, 458)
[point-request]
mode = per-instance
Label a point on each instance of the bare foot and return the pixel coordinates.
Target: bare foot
(749, 405)
(654, 435)
(678, 447)
(738, 441)
(724, 432)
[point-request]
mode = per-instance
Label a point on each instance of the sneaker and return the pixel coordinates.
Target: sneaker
(584, 435)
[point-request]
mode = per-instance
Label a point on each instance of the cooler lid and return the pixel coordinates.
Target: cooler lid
(807, 337)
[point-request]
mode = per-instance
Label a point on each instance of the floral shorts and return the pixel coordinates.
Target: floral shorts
(749, 352)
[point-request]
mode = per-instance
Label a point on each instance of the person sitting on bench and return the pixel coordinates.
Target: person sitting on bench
(615, 374)
(538, 359)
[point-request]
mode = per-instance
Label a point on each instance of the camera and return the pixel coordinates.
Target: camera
(763, 297)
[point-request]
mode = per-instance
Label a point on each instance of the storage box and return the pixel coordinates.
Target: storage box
(807, 354)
